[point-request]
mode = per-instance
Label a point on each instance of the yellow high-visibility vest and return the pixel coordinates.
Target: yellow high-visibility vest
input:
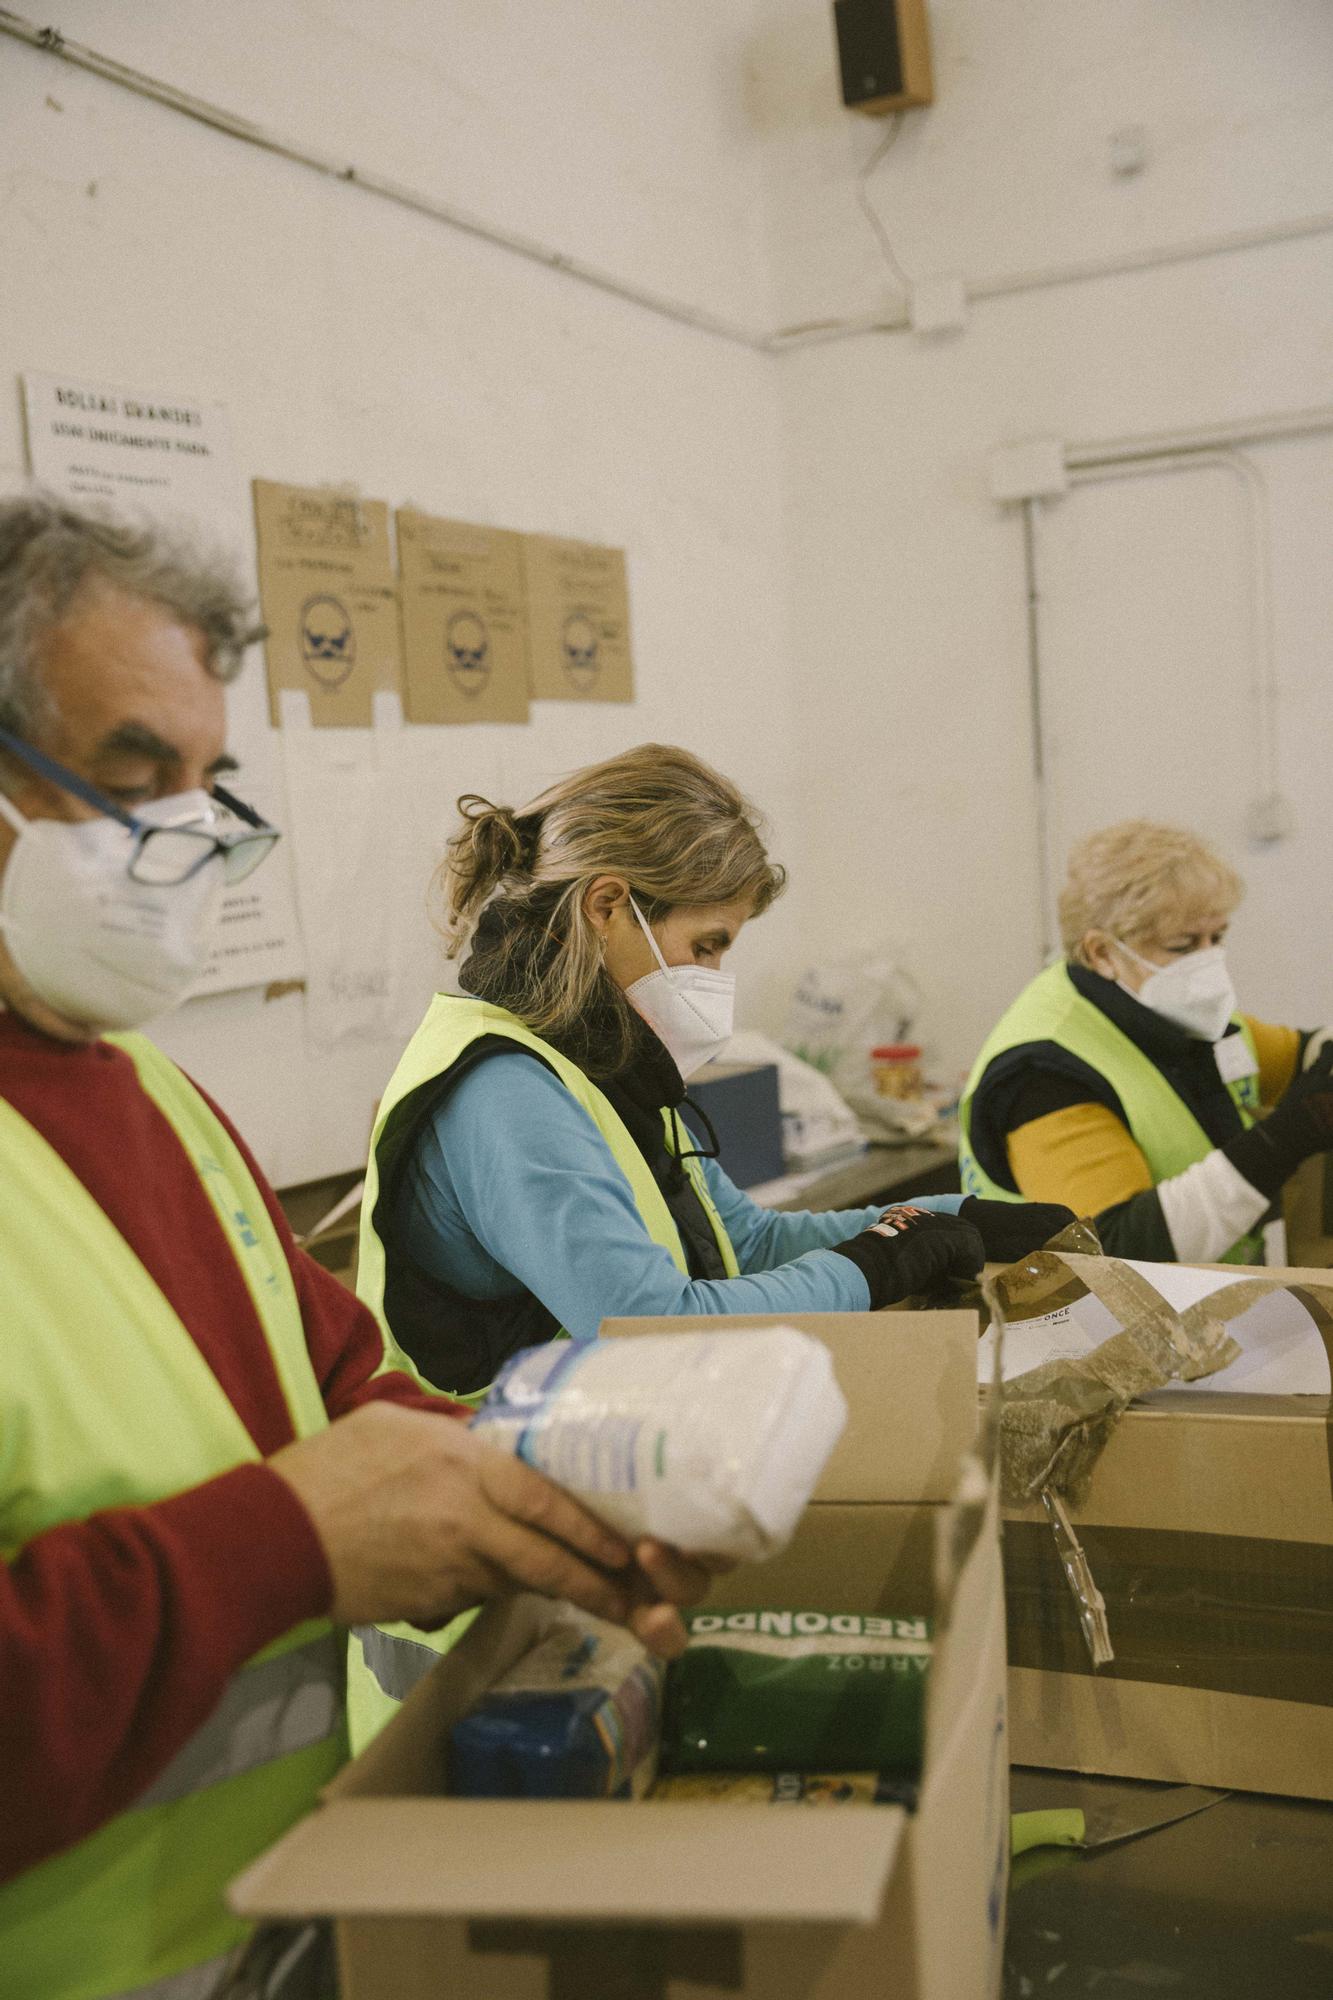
(1166, 1131)
(107, 1402)
(385, 1662)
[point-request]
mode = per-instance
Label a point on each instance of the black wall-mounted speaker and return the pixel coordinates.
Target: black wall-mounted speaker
(883, 54)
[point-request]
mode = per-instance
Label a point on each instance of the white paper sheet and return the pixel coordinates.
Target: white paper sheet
(171, 456)
(363, 870)
(1281, 1349)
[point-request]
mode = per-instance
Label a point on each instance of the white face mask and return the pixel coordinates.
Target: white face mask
(690, 1008)
(95, 945)
(1194, 991)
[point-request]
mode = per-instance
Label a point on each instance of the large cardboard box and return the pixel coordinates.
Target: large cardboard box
(510, 1900)
(1208, 1527)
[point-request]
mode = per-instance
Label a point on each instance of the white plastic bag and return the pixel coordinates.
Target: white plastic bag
(844, 1007)
(816, 1124)
(710, 1441)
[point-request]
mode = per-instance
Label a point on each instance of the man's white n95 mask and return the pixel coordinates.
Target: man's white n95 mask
(97, 945)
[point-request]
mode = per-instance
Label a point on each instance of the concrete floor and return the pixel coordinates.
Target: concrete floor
(1235, 1904)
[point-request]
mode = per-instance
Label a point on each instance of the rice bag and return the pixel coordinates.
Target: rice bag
(797, 1691)
(578, 1717)
(711, 1441)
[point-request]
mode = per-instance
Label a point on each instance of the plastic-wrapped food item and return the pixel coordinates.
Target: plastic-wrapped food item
(797, 1691)
(578, 1717)
(786, 1788)
(712, 1441)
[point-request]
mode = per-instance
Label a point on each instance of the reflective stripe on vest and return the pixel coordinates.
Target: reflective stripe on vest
(280, 1703)
(385, 1662)
(284, 1962)
(108, 1401)
(396, 1661)
(200, 1982)
(1166, 1131)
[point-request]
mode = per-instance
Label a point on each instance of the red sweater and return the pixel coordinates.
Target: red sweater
(119, 1633)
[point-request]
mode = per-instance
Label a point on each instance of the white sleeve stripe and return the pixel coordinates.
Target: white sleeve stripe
(1208, 1208)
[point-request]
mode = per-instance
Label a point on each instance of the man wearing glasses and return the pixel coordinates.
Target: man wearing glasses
(203, 1479)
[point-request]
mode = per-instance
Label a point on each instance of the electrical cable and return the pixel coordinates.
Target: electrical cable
(868, 208)
(894, 318)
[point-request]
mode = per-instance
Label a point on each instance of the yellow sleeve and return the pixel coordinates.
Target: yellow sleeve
(1278, 1050)
(1082, 1156)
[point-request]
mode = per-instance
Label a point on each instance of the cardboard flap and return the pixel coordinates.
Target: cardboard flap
(1215, 1465)
(921, 1366)
(579, 1860)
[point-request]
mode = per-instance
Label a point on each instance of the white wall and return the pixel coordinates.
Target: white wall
(826, 601)
(354, 341)
(907, 582)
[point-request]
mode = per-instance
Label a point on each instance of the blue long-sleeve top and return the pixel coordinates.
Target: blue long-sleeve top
(513, 1187)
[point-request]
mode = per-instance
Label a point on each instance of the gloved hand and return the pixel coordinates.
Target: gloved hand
(1300, 1124)
(909, 1249)
(1009, 1229)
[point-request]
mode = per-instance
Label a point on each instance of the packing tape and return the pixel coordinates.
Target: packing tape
(1230, 1614)
(1057, 1417)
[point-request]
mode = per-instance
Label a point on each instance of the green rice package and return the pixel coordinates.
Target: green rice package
(798, 1691)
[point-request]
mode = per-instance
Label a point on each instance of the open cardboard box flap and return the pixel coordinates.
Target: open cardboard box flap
(381, 1844)
(572, 1860)
(920, 1366)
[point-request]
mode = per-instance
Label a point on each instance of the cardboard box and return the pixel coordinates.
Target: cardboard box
(1208, 1526)
(513, 1900)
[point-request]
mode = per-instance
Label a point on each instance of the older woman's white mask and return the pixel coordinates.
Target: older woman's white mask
(690, 1008)
(1194, 991)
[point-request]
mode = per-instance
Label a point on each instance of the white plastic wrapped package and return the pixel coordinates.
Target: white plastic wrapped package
(711, 1441)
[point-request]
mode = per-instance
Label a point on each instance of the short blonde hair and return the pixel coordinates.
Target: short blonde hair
(1137, 880)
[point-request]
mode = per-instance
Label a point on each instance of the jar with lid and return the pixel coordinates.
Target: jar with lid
(896, 1069)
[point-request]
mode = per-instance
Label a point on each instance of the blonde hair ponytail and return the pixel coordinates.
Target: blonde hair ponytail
(488, 848)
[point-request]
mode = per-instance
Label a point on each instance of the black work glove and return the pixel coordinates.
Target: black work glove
(1300, 1124)
(1009, 1229)
(910, 1249)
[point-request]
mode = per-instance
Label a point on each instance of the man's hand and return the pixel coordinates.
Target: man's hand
(419, 1521)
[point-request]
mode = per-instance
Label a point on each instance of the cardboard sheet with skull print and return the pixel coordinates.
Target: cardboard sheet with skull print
(578, 620)
(465, 626)
(329, 599)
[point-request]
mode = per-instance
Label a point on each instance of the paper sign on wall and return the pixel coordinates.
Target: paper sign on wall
(578, 621)
(465, 627)
(155, 451)
(330, 600)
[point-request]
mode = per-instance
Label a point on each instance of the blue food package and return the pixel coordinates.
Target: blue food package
(578, 1717)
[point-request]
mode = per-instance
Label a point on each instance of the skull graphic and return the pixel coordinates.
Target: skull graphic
(328, 641)
(467, 648)
(578, 643)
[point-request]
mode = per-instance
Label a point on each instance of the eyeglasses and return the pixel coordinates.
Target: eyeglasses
(166, 853)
